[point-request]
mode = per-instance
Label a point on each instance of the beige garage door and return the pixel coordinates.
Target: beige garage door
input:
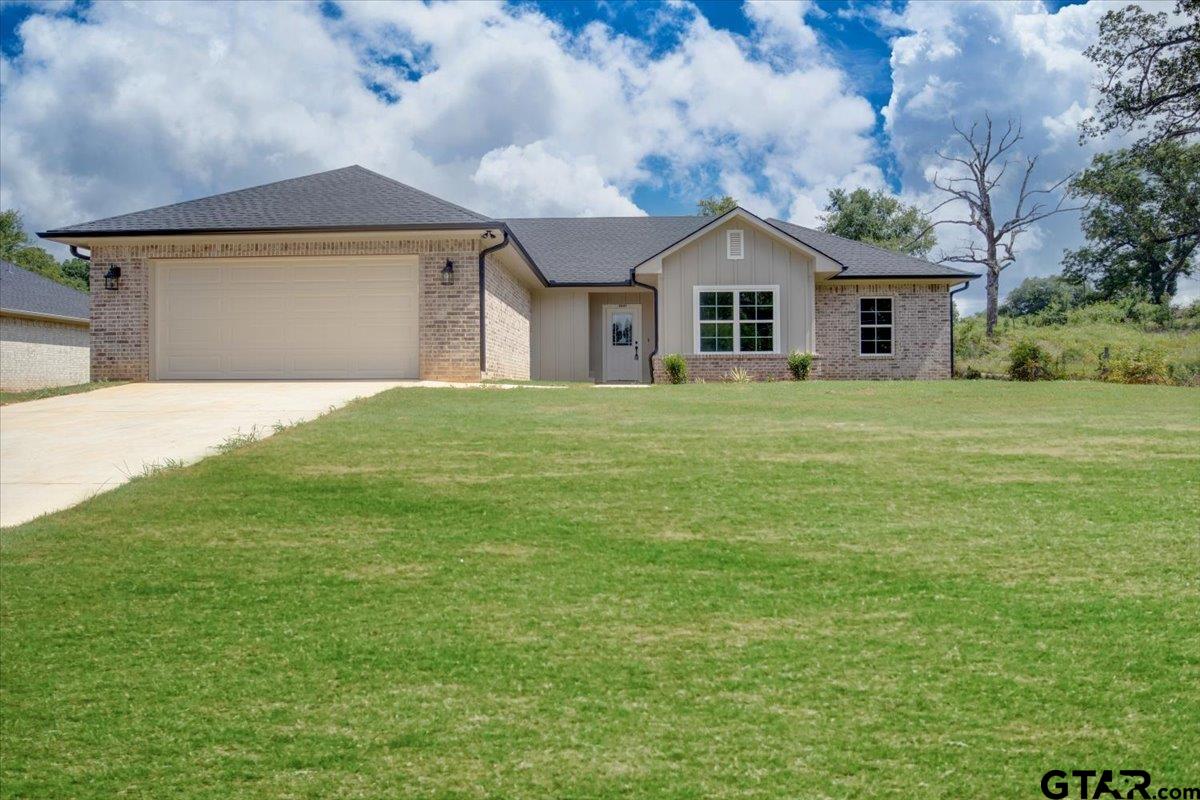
(286, 318)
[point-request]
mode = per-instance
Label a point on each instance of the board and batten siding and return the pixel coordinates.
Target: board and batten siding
(560, 335)
(768, 262)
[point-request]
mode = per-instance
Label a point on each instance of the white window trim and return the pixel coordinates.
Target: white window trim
(860, 326)
(729, 244)
(776, 320)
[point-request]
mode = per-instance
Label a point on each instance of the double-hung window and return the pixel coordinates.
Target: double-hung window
(737, 319)
(875, 326)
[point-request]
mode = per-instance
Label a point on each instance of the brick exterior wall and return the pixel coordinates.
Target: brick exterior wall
(508, 309)
(921, 332)
(449, 315)
(717, 366)
(921, 339)
(35, 354)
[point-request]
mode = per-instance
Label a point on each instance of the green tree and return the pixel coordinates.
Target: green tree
(1150, 74)
(1142, 222)
(12, 237)
(716, 206)
(880, 219)
(76, 270)
(1034, 295)
(16, 247)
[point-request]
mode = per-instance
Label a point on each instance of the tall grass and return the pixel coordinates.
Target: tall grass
(1079, 340)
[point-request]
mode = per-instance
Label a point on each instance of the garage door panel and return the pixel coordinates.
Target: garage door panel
(257, 304)
(191, 334)
(256, 275)
(398, 305)
(194, 276)
(253, 337)
(323, 304)
(265, 362)
(196, 306)
(302, 319)
(194, 365)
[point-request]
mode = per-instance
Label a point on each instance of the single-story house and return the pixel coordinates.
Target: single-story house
(350, 274)
(43, 331)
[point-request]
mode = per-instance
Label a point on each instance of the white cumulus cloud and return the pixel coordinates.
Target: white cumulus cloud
(120, 106)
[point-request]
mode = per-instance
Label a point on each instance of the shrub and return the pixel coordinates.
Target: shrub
(971, 374)
(970, 339)
(1028, 362)
(738, 375)
(799, 364)
(676, 368)
(1143, 366)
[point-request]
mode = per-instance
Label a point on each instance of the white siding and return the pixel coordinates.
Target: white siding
(560, 335)
(768, 262)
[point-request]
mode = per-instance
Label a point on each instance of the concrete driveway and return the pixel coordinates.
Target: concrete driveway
(60, 451)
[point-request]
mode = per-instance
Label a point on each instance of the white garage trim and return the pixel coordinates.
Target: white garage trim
(285, 318)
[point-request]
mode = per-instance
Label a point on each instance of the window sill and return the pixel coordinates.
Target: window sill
(876, 355)
(751, 354)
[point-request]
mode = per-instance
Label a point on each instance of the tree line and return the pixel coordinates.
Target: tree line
(1140, 204)
(17, 247)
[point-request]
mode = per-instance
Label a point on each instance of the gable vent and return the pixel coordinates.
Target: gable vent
(735, 245)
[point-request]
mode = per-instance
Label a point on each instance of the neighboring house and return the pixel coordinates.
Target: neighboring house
(349, 274)
(43, 331)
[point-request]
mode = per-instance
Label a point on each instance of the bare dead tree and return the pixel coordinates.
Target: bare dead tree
(986, 164)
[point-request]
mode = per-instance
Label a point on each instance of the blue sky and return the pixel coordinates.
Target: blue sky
(562, 108)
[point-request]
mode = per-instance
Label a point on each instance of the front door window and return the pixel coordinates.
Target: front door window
(622, 329)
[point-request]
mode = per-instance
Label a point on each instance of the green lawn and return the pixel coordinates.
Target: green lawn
(54, 391)
(775, 590)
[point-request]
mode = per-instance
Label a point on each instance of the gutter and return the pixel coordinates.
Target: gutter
(633, 281)
(952, 293)
(75, 253)
(37, 316)
(482, 304)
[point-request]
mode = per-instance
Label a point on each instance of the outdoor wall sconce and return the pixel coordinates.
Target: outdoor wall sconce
(448, 273)
(112, 278)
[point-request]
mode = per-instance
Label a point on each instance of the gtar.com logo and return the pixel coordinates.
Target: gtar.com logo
(1091, 784)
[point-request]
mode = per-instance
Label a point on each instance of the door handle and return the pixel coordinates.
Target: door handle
(635, 350)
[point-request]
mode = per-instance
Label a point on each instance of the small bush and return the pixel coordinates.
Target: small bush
(1028, 362)
(970, 339)
(971, 374)
(738, 375)
(676, 368)
(799, 364)
(1144, 366)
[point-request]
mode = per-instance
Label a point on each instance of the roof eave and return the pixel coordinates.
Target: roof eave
(957, 276)
(41, 316)
(67, 233)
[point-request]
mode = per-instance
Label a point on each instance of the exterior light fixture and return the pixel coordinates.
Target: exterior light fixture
(488, 235)
(112, 278)
(448, 273)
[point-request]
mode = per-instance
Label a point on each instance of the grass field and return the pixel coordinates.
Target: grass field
(54, 391)
(1075, 348)
(819, 590)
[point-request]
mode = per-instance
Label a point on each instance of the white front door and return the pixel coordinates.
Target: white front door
(623, 343)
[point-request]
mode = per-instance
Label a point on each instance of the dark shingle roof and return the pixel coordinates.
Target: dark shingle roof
(593, 250)
(30, 293)
(351, 197)
(597, 249)
(867, 261)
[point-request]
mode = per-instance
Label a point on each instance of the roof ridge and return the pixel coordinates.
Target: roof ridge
(643, 216)
(221, 194)
(419, 191)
